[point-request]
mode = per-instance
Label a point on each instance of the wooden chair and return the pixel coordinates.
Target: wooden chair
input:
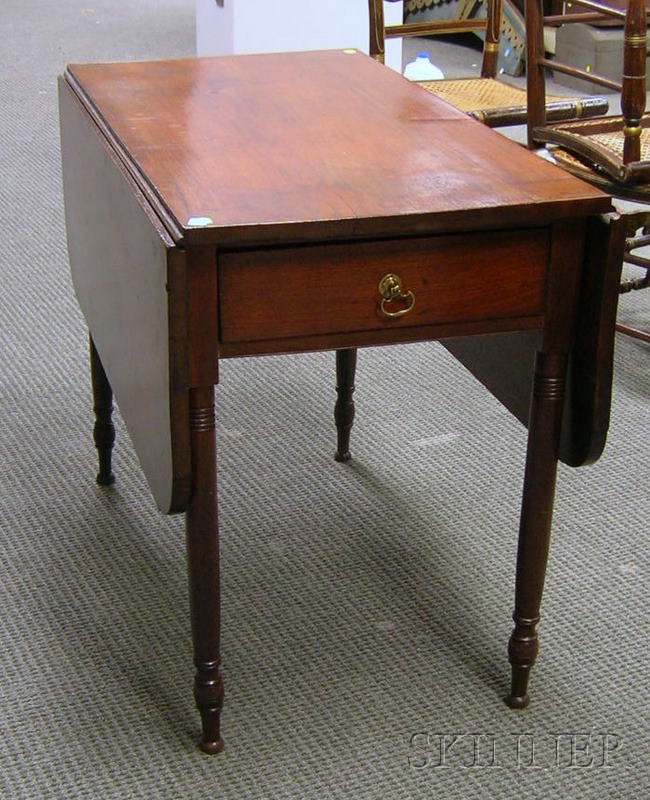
(612, 152)
(487, 98)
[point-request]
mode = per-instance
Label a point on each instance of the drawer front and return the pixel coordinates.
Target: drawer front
(313, 290)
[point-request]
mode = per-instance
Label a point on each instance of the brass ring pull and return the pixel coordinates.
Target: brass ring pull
(390, 289)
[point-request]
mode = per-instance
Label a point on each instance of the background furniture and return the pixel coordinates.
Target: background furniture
(512, 43)
(612, 152)
(260, 26)
(594, 47)
(488, 98)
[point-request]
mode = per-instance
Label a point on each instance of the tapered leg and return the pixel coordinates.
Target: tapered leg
(346, 366)
(203, 568)
(103, 431)
(536, 517)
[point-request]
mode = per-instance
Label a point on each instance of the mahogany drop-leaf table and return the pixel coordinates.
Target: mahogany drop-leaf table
(250, 205)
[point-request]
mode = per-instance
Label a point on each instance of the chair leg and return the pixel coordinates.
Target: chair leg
(103, 431)
(536, 517)
(638, 237)
(346, 366)
(636, 284)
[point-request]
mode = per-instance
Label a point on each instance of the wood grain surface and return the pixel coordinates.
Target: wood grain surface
(314, 145)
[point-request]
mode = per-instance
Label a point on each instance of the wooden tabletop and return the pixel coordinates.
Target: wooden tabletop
(315, 145)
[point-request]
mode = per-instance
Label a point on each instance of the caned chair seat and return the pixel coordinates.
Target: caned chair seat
(498, 103)
(600, 143)
(476, 94)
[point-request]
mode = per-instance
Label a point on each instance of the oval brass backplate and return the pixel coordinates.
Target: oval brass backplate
(390, 289)
(390, 286)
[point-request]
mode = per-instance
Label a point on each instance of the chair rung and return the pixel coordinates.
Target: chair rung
(424, 28)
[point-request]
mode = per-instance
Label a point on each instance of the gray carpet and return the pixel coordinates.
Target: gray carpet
(367, 607)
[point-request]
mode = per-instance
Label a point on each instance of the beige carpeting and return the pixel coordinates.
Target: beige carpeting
(366, 606)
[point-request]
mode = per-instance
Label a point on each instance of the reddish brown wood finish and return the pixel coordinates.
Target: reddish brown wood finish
(203, 566)
(302, 155)
(324, 289)
(502, 362)
(544, 430)
(247, 143)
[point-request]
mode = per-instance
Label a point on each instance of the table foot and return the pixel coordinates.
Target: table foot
(522, 651)
(105, 476)
(208, 694)
(212, 748)
(103, 430)
(346, 366)
(518, 701)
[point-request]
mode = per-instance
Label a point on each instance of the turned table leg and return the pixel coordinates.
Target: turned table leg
(536, 517)
(346, 366)
(203, 568)
(103, 431)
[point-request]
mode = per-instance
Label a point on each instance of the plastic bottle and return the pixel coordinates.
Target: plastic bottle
(422, 69)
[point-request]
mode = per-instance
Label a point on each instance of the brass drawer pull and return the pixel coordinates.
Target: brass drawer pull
(390, 289)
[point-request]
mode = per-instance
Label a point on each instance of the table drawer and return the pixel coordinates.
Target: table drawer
(309, 290)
